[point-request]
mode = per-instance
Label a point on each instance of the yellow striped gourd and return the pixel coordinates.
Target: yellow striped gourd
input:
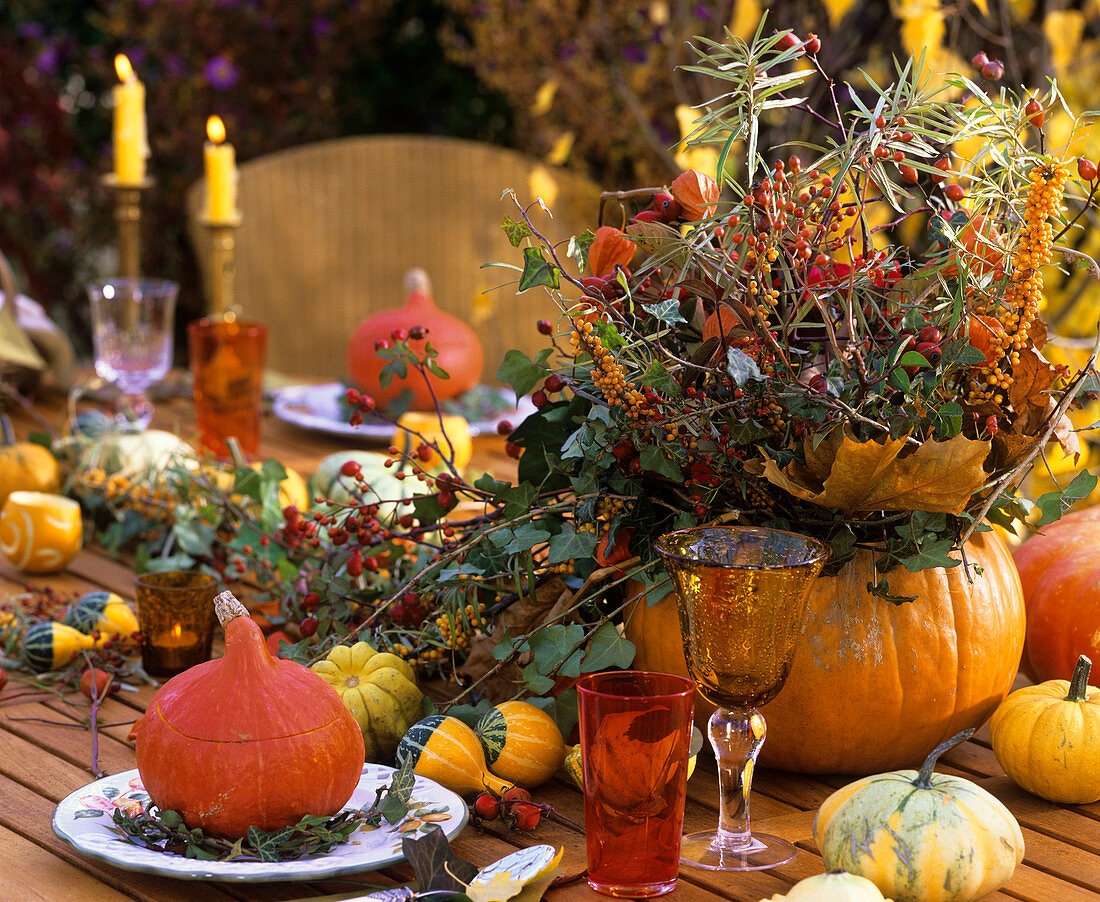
(50, 646)
(521, 742)
(444, 749)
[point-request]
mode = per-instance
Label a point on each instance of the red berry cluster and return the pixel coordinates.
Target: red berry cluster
(515, 807)
(363, 404)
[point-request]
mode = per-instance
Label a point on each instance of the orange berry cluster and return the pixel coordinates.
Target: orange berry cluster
(152, 502)
(1020, 306)
(607, 374)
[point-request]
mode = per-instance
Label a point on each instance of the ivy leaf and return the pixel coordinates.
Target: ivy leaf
(932, 552)
(435, 866)
(266, 844)
(658, 460)
(578, 249)
(667, 312)
(523, 538)
(537, 270)
(395, 804)
(521, 372)
(607, 649)
(571, 545)
(517, 500)
(558, 643)
(515, 230)
(741, 367)
(881, 589)
(1053, 504)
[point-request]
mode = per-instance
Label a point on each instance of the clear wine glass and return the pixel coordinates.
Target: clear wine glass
(132, 325)
(741, 593)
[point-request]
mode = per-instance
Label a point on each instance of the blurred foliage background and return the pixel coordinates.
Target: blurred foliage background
(592, 85)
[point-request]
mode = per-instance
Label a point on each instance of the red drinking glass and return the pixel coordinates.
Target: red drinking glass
(635, 740)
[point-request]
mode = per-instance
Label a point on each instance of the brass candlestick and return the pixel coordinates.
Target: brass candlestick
(128, 220)
(223, 266)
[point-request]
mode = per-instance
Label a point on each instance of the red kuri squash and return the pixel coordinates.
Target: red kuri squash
(247, 739)
(460, 351)
(875, 686)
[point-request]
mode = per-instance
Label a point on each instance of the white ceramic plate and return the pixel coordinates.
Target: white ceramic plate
(322, 408)
(84, 820)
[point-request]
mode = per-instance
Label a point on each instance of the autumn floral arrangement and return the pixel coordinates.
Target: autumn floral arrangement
(737, 351)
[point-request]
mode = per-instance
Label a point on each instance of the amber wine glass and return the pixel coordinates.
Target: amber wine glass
(741, 593)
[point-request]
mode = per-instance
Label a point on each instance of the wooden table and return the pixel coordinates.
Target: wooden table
(45, 753)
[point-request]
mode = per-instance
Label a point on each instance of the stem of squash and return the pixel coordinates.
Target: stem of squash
(1079, 682)
(924, 778)
(228, 607)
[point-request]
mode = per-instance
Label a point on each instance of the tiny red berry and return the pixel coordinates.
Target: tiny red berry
(954, 192)
(979, 60)
(546, 327)
(1086, 169)
(516, 794)
(813, 43)
(993, 70)
(399, 335)
(880, 122)
(350, 468)
(908, 174)
(3, 678)
(381, 344)
(944, 165)
(505, 427)
(554, 383)
(513, 450)
(487, 807)
(310, 601)
(525, 816)
(930, 334)
(539, 398)
(308, 627)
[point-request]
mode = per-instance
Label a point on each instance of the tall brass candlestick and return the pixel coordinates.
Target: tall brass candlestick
(128, 221)
(223, 266)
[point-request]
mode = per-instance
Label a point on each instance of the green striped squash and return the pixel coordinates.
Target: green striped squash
(920, 837)
(444, 749)
(522, 743)
(103, 612)
(50, 646)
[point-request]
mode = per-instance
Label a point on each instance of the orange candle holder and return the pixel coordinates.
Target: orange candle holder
(227, 369)
(175, 610)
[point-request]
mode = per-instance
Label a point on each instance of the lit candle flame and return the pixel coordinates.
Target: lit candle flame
(215, 129)
(123, 68)
(177, 631)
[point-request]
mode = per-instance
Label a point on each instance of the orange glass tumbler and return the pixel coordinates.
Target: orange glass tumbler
(635, 745)
(227, 366)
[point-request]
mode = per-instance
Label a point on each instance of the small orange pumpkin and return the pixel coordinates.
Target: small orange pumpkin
(247, 739)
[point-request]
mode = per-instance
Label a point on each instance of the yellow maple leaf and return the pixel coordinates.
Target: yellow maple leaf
(938, 477)
(522, 876)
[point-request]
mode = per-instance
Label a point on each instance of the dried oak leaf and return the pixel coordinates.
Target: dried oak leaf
(551, 599)
(1032, 376)
(697, 194)
(609, 249)
(938, 477)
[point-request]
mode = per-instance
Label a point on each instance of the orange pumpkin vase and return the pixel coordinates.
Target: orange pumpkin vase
(875, 685)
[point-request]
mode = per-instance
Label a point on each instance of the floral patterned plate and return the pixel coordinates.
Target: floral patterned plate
(84, 820)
